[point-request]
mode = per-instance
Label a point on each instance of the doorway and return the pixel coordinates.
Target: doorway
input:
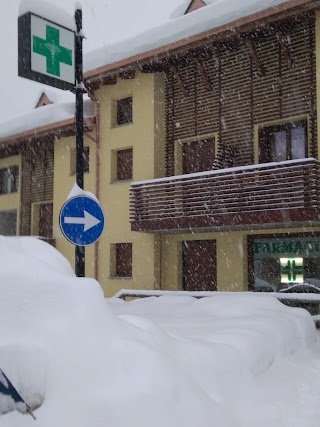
(199, 266)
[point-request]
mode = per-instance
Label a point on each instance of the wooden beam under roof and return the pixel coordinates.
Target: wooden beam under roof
(108, 80)
(285, 49)
(177, 75)
(254, 56)
(127, 74)
(201, 68)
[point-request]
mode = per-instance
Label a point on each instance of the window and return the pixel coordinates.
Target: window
(73, 160)
(283, 142)
(9, 180)
(123, 261)
(280, 261)
(8, 223)
(124, 111)
(124, 164)
(42, 219)
(197, 156)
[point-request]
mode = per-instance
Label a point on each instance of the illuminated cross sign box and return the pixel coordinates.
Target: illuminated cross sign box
(291, 270)
(46, 51)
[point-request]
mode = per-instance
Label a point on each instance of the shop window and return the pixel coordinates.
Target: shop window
(123, 260)
(281, 261)
(124, 111)
(124, 160)
(9, 180)
(8, 223)
(287, 141)
(85, 160)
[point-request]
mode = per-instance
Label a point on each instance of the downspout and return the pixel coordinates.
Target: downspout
(97, 180)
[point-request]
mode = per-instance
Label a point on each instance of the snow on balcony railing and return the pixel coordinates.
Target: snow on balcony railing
(270, 186)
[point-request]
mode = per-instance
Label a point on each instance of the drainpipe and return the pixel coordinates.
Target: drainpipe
(97, 180)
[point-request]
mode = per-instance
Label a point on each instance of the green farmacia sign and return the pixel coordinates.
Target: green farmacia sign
(286, 247)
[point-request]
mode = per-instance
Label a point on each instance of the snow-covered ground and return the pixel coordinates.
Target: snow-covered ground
(242, 360)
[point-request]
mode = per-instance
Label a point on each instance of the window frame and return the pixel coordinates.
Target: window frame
(122, 173)
(121, 269)
(15, 175)
(36, 216)
(265, 146)
(250, 249)
(179, 144)
(123, 117)
(15, 213)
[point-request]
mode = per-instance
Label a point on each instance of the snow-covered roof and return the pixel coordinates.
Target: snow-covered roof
(216, 14)
(61, 110)
(54, 95)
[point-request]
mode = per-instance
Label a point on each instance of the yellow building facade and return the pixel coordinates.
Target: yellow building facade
(211, 102)
(146, 137)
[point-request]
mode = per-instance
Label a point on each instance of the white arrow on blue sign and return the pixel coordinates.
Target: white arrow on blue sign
(81, 220)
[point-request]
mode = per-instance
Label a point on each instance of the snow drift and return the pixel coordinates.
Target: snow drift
(168, 361)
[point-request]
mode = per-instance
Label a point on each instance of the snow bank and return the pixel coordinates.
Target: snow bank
(62, 347)
(166, 361)
(230, 345)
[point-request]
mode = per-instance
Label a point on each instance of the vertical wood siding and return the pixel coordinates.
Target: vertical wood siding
(239, 98)
(37, 179)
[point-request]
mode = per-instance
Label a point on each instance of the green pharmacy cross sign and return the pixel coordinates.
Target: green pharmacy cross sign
(46, 51)
(52, 50)
(291, 270)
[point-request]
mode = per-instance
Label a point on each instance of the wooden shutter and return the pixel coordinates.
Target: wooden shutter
(124, 260)
(124, 164)
(46, 220)
(199, 269)
(197, 156)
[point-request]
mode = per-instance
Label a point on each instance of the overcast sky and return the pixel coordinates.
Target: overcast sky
(104, 21)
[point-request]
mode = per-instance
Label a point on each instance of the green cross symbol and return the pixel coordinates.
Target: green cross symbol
(291, 270)
(51, 49)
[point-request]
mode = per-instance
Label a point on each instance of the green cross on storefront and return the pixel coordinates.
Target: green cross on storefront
(291, 270)
(51, 49)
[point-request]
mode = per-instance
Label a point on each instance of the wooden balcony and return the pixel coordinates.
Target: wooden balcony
(285, 193)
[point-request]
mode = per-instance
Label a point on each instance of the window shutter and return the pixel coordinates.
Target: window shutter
(124, 164)
(124, 260)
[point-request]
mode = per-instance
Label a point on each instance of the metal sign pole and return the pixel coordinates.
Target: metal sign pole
(79, 89)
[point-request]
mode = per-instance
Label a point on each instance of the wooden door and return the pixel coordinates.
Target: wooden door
(199, 267)
(45, 220)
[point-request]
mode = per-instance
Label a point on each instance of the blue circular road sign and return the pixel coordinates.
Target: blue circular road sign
(81, 220)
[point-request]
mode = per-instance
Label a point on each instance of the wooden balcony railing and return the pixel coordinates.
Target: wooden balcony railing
(250, 195)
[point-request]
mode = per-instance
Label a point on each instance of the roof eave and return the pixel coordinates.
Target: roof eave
(48, 130)
(263, 17)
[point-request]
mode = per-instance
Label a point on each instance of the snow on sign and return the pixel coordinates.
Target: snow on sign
(46, 51)
(81, 220)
